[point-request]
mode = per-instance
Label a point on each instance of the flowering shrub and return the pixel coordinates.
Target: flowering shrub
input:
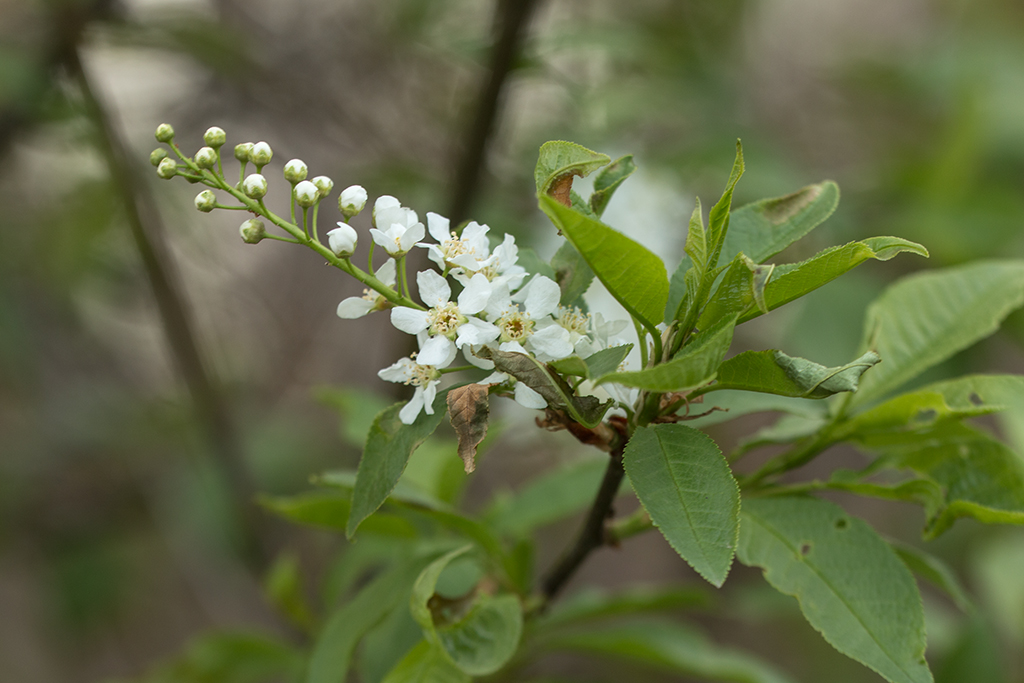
(522, 330)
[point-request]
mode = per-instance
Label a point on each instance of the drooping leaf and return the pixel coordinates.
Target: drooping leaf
(685, 484)
(606, 360)
(774, 372)
(552, 496)
(631, 273)
(935, 571)
(558, 161)
(669, 647)
(851, 586)
(572, 273)
(426, 663)
(388, 447)
(926, 318)
(478, 637)
(692, 367)
(764, 228)
(469, 412)
(589, 605)
(608, 180)
(331, 511)
(587, 410)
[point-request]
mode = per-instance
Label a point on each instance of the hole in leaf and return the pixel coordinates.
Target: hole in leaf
(805, 549)
(975, 399)
(841, 523)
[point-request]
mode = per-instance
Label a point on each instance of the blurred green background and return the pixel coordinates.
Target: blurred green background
(155, 375)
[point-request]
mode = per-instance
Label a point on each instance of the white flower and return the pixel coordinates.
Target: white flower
(524, 395)
(306, 194)
(398, 228)
(468, 252)
(449, 325)
(424, 377)
(343, 240)
(602, 335)
(352, 200)
(530, 330)
(371, 300)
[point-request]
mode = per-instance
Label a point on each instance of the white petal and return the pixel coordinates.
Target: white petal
(475, 331)
(354, 307)
(438, 351)
(438, 226)
(397, 372)
(475, 237)
(387, 272)
(500, 301)
(469, 261)
(409, 320)
(383, 240)
(385, 201)
(435, 254)
(411, 409)
(429, 392)
(507, 253)
(494, 378)
(412, 235)
(550, 343)
(434, 289)
(473, 359)
(528, 398)
(512, 347)
(474, 297)
(542, 297)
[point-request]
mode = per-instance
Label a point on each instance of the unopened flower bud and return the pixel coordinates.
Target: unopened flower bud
(352, 200)
(206, 157)
(254, 186)
(343, 239)
(242, 151)
(295, 171)
(157, 155)
(206, 201)
(252, 231)
(324, 185)
(164, 132)
(167, 169)
(306, 194)
(215, 137)
(261, 154)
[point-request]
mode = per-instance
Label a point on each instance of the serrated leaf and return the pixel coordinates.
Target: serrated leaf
(764, 228)
(479, 641)
(685, 484)
(426, 663)
(718, 217)
(469, 411)
(774, 372)
(669, 647)
(935, 571)
(924, 319)
(572, 274)
(587, 410)
(388, 447)
(607, 360)
(630, 272)
(696, 239)
(559, 160)
(692, 367)
(850, 585)
(608, 180)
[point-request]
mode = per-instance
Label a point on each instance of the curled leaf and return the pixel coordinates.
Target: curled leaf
(468, 410)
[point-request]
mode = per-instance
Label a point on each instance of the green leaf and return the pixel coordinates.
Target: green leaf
(694, 366)
(670, 647)
(587, 410)
(426, 663)
(572, 274)
(331, 511)
(588, 605)
(479, 637)
(681, 285)
(937, 572)
(792, 281)
(631, 273)
(607, 360)
(728, 405)
(924, 319)
(975, 657)
(608, 180)
(762, 229)
(283, 586)
(741, 288)
(388, 447)
(357, 408)
(850, 585)
(548, 498)
(718, 218)
(774, 372)
(696, 239)
(570, 365)
(686, 486)
(534, 265)
(559, 159)
(232, 657)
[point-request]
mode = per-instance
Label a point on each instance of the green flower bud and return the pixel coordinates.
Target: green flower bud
(324, 184)
(157, 155)
(164, 132)
(306, 194)
(206, 201)
(254, 186)
(261, 154)
(167, 169)
(242, 151)
(206, 157)
(215, 137)
(295, 171)
(252, 231)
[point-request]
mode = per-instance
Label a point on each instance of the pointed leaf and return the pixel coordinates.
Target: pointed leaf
(762, 229)
(570, 365)
(607, 360)
(631, 273)
(850, 585)
(924, 319)
(935, 571)
(774, 372)
(718, 218)
(685, 484)
(696, 239)
(426, 663)
(559, 161)
(693, 367)
(388, 447)
(469, 411)
(608, 180)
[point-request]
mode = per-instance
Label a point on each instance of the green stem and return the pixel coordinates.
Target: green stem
(305, 223)
(369, 261)
(641, 336)
(461, 368)
(316, 210)
(281, 239)
(218, 205)
(627, 527)
(405, 279)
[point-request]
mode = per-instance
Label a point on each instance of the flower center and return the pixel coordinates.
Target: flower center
(453, 247)
(421, 375)
(445, 319)
(574, 320)
(515, 326)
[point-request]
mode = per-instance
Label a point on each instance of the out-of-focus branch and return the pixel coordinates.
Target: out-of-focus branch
(511, 20)
(147, 232)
